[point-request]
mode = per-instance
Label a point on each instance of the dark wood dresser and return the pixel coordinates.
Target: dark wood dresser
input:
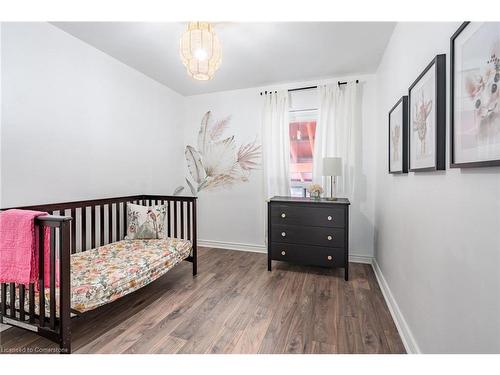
(309, 232)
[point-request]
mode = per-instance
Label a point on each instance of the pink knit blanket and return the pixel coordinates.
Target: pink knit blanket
(19, 253)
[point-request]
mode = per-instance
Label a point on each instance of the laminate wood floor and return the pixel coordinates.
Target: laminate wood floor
(234, 305)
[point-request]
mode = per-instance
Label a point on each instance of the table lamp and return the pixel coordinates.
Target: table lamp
(332, 167)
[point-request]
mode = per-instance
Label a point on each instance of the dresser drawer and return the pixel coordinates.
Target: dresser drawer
(319, 236)
(333, 217)
(308, 255)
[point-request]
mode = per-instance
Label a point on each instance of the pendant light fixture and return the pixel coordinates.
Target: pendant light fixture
(200, 51)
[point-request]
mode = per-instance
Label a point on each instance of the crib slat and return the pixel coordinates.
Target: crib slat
(175, 219)
(93, 227)
(12, 305)
(169, 223)
(84, 228)
(41, 278)
(53, 277)
(101, 231)
(182, 220)
(3, 293)
(73, 231)
(110, 223)
(189, 221)
(22, 296)
(124, 213)
(32, 302)
(117, 221)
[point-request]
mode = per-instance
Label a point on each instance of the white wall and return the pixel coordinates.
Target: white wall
(236, 216)
(78, 124)
(437, 234)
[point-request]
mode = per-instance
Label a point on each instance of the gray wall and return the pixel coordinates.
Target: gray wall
(437, 237)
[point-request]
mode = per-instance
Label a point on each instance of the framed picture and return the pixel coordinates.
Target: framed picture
(427, 118)
(398, 137)
(475, 95)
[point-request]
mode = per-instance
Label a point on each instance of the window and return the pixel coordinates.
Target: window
(302, 134)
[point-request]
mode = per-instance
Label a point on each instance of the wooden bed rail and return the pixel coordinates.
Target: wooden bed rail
(76, 227)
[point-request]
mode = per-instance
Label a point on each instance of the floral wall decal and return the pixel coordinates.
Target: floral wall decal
(217, 161)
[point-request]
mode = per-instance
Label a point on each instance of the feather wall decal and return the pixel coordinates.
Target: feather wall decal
(195, 164)
(178, 190)
(203, 133)
(220, 156)
(191, 187)
(218, 162)
(218, 128)
(248, 155)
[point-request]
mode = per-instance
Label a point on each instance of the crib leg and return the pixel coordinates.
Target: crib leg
(195, 263)
(195, 241)
(65, 346)
(65, 290)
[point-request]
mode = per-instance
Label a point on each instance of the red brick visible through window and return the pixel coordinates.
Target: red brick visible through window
(302, 135)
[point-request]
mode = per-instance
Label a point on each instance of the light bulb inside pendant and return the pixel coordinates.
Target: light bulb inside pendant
(200, 51)
(200, 54)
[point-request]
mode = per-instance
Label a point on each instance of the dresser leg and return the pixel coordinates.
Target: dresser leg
(269, 264)
(346, 273)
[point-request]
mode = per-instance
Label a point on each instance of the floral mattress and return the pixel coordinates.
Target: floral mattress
(104, 274)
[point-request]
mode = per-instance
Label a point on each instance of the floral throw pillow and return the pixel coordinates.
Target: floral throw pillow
(145, 223)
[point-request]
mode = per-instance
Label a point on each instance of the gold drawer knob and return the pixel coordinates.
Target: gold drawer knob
(329, 238)
(283, 234)
(283, 253)
(283, 215)
(329, 257)
(330, 218)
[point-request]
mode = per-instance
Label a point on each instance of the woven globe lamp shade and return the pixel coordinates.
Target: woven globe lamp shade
(200, 51)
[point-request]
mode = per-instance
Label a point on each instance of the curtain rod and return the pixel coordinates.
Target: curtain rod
(306, 88)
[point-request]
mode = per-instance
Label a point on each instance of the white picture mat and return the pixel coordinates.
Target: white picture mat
(395, 120)
(473, 47)
(427, 86)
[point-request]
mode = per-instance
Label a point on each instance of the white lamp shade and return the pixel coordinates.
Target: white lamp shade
(332, 166)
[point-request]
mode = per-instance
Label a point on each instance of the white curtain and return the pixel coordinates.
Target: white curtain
(337, 133)
(276, 144)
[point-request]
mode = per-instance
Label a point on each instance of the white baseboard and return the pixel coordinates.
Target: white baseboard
(354, 258)
(407, 337)
(233, 246)
(263, 249)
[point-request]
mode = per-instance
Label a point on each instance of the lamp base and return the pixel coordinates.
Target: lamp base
(331, 198)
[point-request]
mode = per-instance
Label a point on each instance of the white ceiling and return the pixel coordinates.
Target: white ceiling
(254, 54)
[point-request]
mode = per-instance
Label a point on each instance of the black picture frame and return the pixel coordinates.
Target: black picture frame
(453, 164)
(404, 135)
(439, 64)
